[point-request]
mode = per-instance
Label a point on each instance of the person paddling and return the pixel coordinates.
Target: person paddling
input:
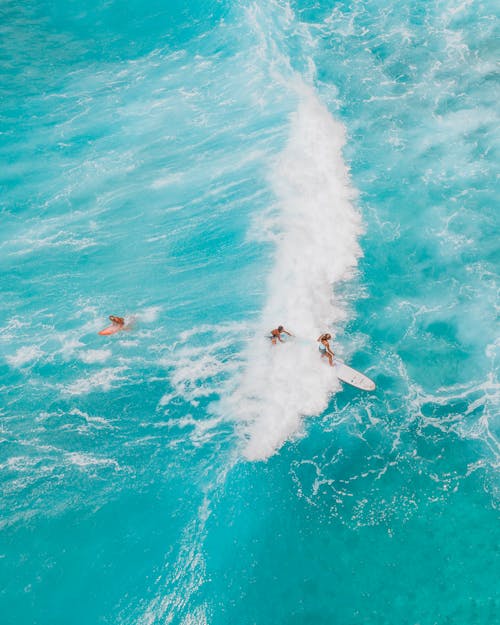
(118, 323)
(324, 347)
(276, 334)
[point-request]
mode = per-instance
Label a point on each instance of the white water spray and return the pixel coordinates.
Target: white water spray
(317, 247)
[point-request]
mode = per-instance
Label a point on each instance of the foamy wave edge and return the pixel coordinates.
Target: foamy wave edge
(316, 229)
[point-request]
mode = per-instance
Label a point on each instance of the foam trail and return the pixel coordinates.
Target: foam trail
(317, 246)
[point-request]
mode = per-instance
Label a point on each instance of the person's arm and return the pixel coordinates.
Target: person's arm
(286, 332)
(319, 338)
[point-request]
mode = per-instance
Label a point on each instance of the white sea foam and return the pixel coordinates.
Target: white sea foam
(129, 343)
(83, 460)
(11, 328)
(24, 355)
(28, 245)
(101, 380)
(199, 369)
(94, 355)
(148, 315)
(167, 179)
(316, 232)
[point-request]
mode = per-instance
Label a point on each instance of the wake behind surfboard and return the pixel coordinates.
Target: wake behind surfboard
(353, 377)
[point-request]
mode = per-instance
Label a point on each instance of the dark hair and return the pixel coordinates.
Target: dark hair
(280, 328)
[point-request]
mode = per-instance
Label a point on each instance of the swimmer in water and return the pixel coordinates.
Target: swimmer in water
(324, 347)
(118, 324)
(276, 334)
(119, 321)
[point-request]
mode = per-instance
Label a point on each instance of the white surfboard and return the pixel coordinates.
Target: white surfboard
(353, 377)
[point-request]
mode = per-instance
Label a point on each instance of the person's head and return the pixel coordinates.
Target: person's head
(327, 336)
(115, 319)
(280, 328)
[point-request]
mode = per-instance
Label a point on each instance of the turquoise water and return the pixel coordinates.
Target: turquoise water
(210, 170)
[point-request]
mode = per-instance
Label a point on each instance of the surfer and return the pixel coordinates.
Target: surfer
(118, 323)
(324, 347)
(276, 334)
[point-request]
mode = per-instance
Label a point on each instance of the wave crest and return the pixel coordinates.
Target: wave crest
(317, 247)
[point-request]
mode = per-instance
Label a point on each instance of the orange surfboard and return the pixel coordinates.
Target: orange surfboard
(111, 330)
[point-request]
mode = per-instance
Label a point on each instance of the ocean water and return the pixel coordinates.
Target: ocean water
(209, 170)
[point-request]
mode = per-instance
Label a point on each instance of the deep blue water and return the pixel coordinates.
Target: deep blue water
(209, 170)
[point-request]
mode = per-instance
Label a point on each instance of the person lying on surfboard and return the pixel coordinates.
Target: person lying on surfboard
(118, 324)
(324, 347)
(276, 334)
